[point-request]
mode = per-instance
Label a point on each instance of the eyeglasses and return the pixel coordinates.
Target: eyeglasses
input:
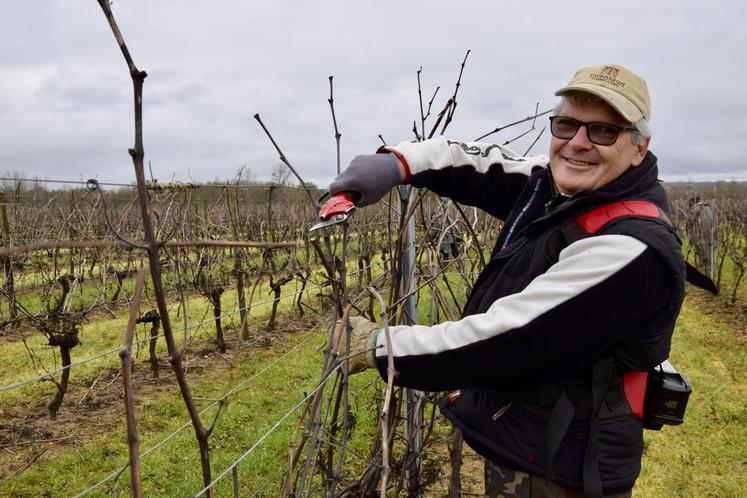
(599, 133)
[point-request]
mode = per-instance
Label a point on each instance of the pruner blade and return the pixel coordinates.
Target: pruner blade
(336, 209)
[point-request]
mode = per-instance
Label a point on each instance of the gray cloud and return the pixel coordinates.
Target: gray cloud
(66, 96)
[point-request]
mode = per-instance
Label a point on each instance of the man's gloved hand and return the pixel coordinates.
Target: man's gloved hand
(371, 176)
(362, 344)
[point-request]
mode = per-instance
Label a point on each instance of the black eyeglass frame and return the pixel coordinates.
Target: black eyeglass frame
(590, 127)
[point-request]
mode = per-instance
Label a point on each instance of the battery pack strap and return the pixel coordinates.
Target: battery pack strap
(603, 387)
(602, 373)
(593, 221)
(634, 385)
(556, 428)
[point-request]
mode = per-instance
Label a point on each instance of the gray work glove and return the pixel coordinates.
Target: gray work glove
(371, 176)
(362, 344)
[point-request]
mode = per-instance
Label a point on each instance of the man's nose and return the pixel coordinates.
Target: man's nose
(581, 139)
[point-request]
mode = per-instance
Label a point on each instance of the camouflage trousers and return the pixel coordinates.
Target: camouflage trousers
(502, 482)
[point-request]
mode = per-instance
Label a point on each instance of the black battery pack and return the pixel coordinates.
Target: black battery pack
(667, 393)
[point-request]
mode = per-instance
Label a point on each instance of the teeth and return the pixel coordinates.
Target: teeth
(578, 163)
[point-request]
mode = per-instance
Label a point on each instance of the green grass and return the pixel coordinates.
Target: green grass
(707, 455)
(173, 470)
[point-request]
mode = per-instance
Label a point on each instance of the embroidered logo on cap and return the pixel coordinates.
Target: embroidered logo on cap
(608, 75)
(610, 71)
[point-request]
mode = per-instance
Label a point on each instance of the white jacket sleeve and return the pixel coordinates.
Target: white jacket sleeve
(440, 153)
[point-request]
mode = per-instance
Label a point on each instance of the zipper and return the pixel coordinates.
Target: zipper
(521, 213)
(502, 410)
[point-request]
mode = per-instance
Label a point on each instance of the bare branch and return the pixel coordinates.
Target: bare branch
(528, 118)
(285, 160)
(125, 355)
(334, 121)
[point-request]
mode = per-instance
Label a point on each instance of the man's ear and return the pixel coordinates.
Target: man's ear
(640, 153)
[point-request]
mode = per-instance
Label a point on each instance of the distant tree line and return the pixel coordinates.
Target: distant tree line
(280, 186)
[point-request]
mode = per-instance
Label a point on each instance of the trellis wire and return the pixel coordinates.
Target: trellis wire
(149, 338)
(204, 410)
(227, 314)
(267, 434)
(132, 185)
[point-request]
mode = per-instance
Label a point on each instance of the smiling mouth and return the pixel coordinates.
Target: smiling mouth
(575, 162)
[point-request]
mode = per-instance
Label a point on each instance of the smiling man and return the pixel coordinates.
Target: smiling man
(584, 159)
(580, 295)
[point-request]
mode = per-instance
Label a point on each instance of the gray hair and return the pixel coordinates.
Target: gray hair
(642, 127)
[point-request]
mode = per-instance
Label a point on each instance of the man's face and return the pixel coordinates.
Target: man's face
(577, 164)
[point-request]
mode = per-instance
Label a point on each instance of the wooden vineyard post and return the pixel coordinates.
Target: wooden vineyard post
(7, 260)
(413, 399)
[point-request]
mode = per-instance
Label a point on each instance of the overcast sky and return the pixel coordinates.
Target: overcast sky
(66, 94)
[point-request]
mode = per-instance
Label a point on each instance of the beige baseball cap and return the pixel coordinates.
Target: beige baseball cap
(621, 88)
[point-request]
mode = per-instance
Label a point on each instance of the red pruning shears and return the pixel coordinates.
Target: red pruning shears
(336, 209)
